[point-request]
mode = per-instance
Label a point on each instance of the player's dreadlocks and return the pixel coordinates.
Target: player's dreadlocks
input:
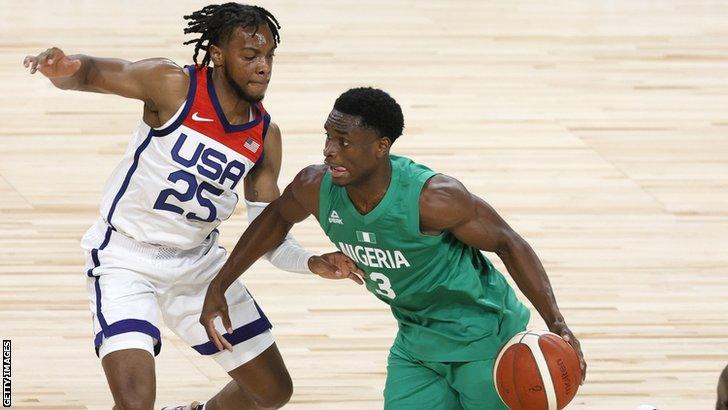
(216, 22)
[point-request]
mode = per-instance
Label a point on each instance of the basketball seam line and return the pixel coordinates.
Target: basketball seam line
(551, 402)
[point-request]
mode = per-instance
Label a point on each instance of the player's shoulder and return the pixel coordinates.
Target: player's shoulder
(441, 190)
(163, 63)
(273, 131)
(310, 176)
(170, 73)
(162, 67)
(306, 185)
(444, 201)
(167, 83)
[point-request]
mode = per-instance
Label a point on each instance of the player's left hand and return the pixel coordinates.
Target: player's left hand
(335, 265)
(562, 330)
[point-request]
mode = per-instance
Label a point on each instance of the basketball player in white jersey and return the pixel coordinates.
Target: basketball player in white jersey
(204, 130)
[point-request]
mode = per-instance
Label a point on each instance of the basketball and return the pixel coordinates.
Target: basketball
(537, 370)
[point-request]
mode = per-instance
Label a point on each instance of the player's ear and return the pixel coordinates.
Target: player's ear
(216, 55)
(383, 146)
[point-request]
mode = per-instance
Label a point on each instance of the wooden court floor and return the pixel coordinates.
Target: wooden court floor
(599, 129)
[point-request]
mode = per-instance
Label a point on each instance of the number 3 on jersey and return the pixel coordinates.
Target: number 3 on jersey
(385, 287)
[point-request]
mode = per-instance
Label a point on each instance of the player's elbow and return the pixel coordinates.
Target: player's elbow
(510, 243)
(277, 212)
(277, 223)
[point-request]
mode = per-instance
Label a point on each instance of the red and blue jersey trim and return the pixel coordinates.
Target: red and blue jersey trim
(207, 117)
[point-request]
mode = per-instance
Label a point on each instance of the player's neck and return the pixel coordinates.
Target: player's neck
(367, 194)
(236, 109)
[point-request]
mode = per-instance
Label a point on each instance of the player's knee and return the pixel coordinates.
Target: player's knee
(134, 402)
(133, 397)
(277, 395)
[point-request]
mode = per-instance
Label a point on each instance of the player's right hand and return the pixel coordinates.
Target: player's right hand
(562, 330)
(336, 265)
(52, 63)
(216, 306)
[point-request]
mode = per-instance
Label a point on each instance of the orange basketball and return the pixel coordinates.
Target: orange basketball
(537, 370)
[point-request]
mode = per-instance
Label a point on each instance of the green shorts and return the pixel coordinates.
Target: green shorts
(418, 385)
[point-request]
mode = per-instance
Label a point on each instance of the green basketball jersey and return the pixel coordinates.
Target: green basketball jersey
(449, 300)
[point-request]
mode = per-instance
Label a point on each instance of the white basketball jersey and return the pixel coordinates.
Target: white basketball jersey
(176, 183)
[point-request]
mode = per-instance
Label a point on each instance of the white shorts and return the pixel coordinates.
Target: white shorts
(129, 282)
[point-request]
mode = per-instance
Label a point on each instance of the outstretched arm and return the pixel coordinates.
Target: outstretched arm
(266, 232)
(159, 82)
(445, 204)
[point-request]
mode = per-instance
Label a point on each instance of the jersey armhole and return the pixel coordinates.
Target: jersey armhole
(179, 117)
(266, 125)
(414, 220)
(324, 201)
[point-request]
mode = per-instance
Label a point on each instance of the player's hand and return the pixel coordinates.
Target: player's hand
(335, 265)
(216, 306)
(52, 63)
(562, 330)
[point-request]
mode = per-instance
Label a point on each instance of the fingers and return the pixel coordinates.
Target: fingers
(352, 266)
(569, 338)
(336, 265)
(216, 306)
(226, 321)
(333, 271)
(344, 270)
(227, 324)
(356, 274)
(47, 63)
(582, 363)
(347, 266)
(32, 63)
(225, 344)
(356, 278)
(208, 321)
(323, 268)
(215, 337)
(35, 62)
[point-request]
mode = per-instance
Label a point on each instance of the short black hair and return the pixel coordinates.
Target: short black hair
(216, 22)
(376, 108)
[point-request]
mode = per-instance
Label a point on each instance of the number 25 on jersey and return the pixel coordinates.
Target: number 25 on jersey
(206, 162)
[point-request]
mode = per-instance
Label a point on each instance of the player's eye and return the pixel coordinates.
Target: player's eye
(345, 143)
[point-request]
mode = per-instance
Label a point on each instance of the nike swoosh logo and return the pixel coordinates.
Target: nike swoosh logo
(196, 117)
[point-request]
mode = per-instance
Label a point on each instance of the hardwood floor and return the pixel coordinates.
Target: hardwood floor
(599, 130)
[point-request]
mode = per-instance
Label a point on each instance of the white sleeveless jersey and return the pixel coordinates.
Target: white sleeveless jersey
(176, 183)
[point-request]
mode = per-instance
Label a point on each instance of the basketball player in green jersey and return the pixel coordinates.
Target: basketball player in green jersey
(417, 236)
